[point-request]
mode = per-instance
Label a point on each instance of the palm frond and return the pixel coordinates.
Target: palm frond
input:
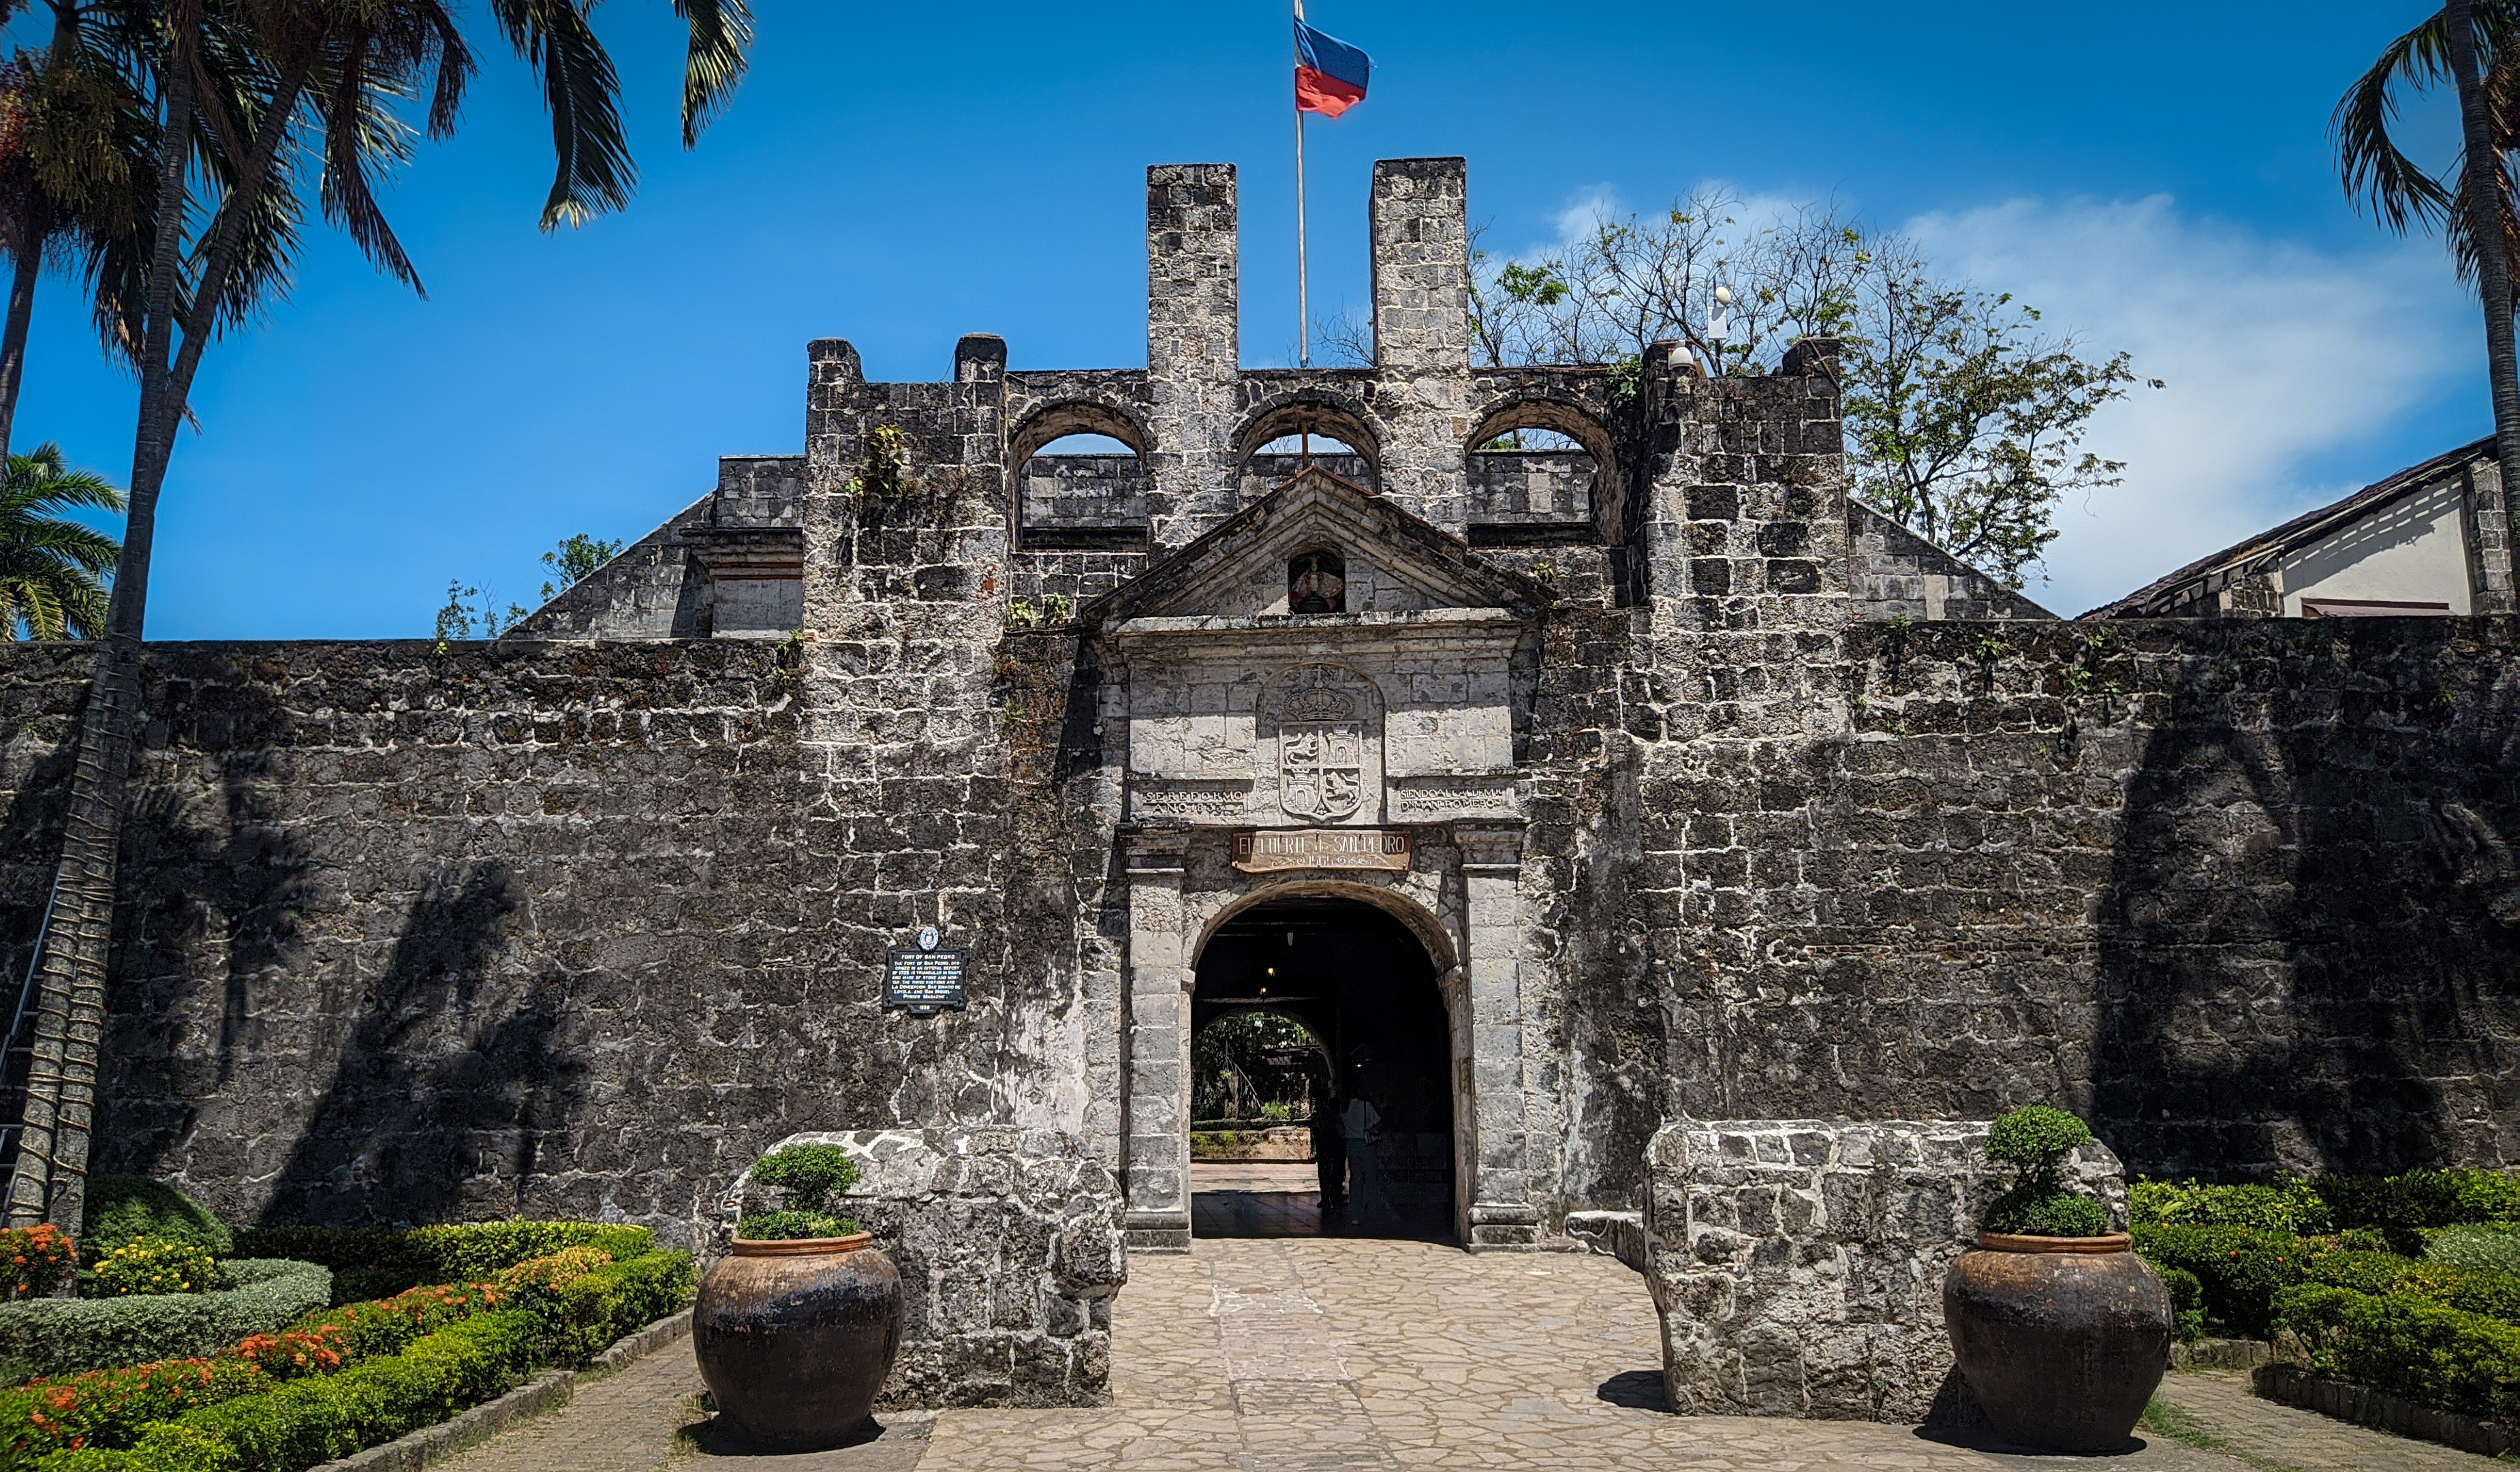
(360, 128)
(2377, 175)
(583, 92)
(721, 48)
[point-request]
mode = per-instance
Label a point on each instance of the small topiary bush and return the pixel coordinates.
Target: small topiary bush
(2291, 1204)
(2034, 1140)
(793, 1226)
(121, 1208)
(807, 1176)
(33, 1260)
(152, 1265)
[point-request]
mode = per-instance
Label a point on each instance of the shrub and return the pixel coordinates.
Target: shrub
(2240, 1270)
(154, 1265)
(2405, 1344)
(2290, 1205)
(806, 1173)
(2035, 1140)
(2484, 1248)
(2401, 1205)
(2047, 1213)
(2186, 1303)
(2481, 1291)
(552, 1271)
(790, 1226)
(33, 1260)
(341, 1380)
(65, 1336)
(113, 1407)
(315, 1421)
(375, 1261)
(123, 1208)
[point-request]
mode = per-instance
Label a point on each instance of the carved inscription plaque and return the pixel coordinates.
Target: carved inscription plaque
(1272, 849)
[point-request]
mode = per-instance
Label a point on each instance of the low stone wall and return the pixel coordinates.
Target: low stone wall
(1010, 1248)
(1797, 1264)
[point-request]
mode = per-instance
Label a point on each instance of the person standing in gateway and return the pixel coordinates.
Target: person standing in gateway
(1360, 1125)
(1329, 1143)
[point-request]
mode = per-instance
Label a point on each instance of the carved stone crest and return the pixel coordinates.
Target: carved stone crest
(1321, 767)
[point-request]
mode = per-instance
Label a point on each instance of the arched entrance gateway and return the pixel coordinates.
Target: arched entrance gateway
(1320, 701)
(1362, 1042)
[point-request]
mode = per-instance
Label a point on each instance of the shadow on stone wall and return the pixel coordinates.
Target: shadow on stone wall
(2310, 948)
(434, 1111)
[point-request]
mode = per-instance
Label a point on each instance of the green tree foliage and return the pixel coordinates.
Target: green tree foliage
(574, 559)
(1965, 416)
(470, 609)
(1232, 1076)
(51, 570)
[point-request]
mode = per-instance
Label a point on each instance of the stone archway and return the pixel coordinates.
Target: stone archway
(1460, 900)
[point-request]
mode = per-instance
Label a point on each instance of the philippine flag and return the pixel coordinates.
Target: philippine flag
(1330, 74)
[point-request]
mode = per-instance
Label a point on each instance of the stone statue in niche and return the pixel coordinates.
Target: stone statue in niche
(1317, 582)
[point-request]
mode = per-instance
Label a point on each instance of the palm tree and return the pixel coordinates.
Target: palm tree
(51, 570)
(322, 80)
(2473, 199)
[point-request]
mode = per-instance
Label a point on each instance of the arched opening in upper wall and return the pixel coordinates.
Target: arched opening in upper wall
(1273, 444)
(1080, 478)
(1535, 467)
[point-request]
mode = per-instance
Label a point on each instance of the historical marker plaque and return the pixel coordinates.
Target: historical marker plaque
(1265, 850)
(923, 983)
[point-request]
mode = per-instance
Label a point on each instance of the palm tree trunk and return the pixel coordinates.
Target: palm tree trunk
(33, 233)
(2480, 186)
(49, 1182)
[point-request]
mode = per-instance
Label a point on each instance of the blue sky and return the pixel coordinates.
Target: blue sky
(2156, 177)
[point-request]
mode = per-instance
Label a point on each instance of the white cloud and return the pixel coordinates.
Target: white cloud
(2273, 354)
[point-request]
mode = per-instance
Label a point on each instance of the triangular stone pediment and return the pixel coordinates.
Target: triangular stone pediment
(1392, 562)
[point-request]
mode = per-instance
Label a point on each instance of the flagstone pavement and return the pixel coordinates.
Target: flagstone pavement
(1313, 1354)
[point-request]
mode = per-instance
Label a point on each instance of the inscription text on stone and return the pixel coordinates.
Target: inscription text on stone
(1271, 849)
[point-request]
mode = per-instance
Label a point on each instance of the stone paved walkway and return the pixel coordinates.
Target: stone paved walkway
(1325, 1356)
(2277, 1438)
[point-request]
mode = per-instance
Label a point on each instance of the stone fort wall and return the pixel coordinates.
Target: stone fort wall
(561, 929)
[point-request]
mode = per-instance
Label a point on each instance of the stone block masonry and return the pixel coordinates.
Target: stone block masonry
(1010, 1251)
(1797, 1264)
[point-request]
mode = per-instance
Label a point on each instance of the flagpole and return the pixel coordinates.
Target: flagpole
(1303, 305)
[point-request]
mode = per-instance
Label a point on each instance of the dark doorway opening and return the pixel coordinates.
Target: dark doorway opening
(1352, 1042)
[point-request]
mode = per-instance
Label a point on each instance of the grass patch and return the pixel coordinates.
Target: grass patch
(2162, 1418)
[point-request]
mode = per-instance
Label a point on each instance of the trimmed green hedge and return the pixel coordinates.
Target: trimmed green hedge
(2410, 1346)
(2471, 1290)
(2239, 1268)
(123, 1208)
(158, 1414)
(2402, 1204)
(2290, 1205)
(377, 1262)
(326, 1416)
(54, 1336)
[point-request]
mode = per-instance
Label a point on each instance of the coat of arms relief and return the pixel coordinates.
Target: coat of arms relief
(1321, 750)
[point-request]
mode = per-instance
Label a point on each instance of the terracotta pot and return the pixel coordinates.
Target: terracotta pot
(2061, 1339)
(794, 1338)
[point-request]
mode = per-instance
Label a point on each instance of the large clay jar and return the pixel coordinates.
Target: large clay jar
(2061, 1339)
(794, 1338)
